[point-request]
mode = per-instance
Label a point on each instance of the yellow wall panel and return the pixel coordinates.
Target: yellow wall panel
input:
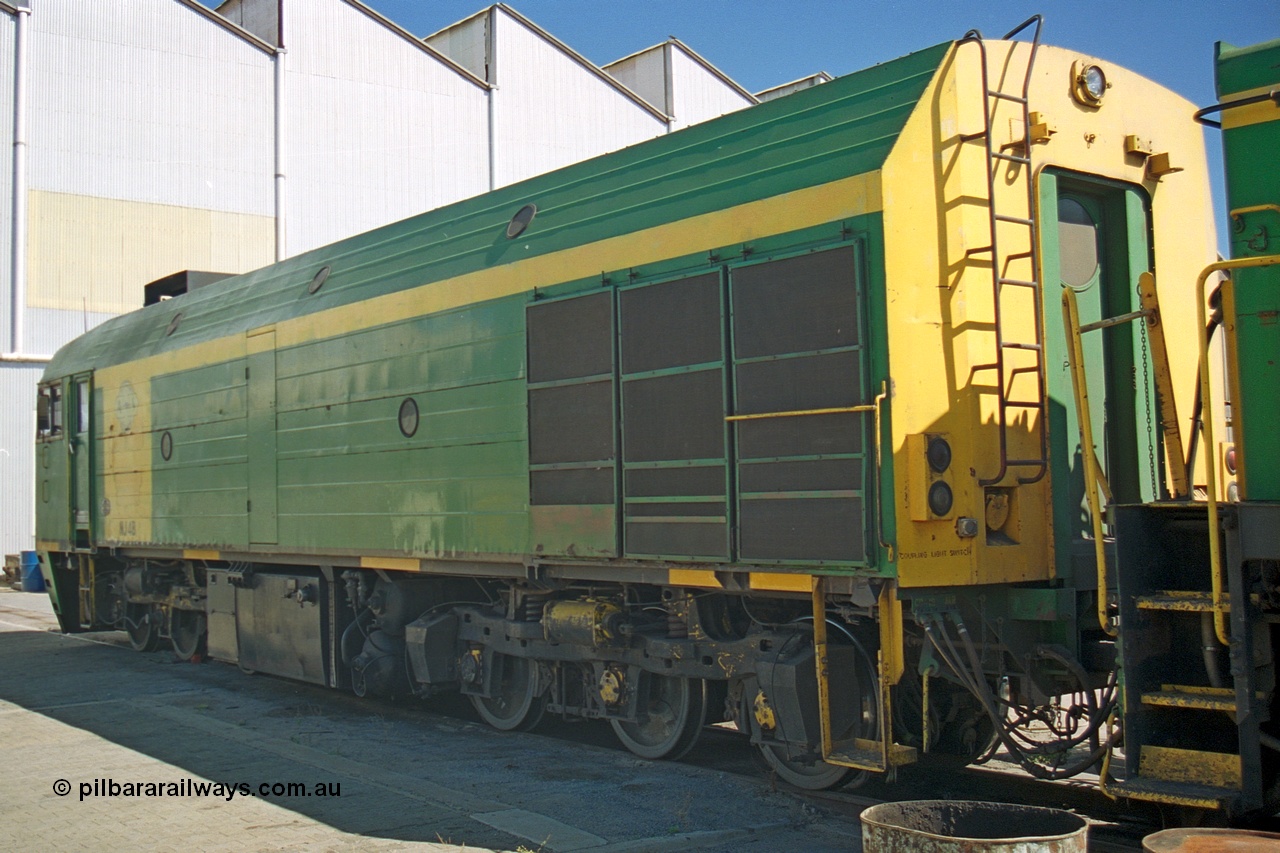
(95, 254)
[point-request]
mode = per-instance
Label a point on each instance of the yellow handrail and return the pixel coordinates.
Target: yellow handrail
(1206, 428)
(1093, 476)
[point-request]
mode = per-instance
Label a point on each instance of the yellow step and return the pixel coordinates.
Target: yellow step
(1181, 600)
(1186, 696)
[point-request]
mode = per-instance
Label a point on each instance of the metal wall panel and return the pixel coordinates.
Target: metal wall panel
(378, 129)
(260, 17)
(644, 73)
(148, 100)
(7, 29)
(17, 456)
(551, 110)
(466, 43)
(697, 94)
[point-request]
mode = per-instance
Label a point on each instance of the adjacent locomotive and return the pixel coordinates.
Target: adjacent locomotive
(774, 420)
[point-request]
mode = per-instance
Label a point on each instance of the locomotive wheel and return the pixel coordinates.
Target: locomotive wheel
(815, 776)
(143, 628)
(671, 713)
(187, 635)
(515, 704)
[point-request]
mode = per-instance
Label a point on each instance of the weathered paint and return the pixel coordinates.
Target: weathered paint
(439, 320)
(939, 300)
(1251, 135)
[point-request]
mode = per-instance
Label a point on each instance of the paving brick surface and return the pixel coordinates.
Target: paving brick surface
(85, 708)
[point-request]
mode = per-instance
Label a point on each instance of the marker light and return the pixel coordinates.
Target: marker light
(940, 498)
(939, 454)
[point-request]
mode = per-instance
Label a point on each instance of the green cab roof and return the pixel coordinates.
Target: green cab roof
(842, 128)
(1239, 69)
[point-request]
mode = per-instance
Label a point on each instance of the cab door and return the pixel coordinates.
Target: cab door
(1096, 241)
(79, 428)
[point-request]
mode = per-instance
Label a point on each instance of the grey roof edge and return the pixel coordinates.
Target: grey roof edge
(421, 44)
(5, 7)
(823, 74)
(590, 66)
(226, 23)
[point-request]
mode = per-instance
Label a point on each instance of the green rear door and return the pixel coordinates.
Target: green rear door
(1096, 241)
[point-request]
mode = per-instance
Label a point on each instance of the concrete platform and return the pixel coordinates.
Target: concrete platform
(83, 713)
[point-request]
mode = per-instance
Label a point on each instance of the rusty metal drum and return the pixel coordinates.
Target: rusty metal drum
(1211, 841)
(947, 826)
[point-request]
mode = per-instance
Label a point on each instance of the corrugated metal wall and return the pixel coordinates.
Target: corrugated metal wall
(151, 149)
(17, 456)
(377, 127)
(151, 140)
(550, 110)
(697, 93)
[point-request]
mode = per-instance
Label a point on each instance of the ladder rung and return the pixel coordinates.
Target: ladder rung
(1033, 347)
(1000, 217)
(1023, 404)
(1019, 282)
(1005, 96)
(1012, 158)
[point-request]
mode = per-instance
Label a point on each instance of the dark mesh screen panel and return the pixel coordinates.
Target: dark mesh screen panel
(797, 304)
(571, 417)
(660, 482)
(671, 416)
(571, 423)
(680, 416)
(570, 338)
(798, 347)
(689, 510)
(676, 539)
(814, 529)
(812, 475)
(796, 384)
(568, 486)
(671, 324)
(802, 436)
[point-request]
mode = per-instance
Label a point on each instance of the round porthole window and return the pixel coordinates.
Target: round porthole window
(521, 220)
(319, 280)
(166, 446)
(408, 417)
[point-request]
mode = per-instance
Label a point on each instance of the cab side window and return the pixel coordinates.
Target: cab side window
(49, 413)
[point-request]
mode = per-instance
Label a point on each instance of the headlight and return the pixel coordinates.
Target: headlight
(1090, 84)
(1094, 82)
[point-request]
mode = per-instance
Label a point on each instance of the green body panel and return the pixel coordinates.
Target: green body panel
(1253, 179)
(200, 493)
(1121, 394)
(52, 479)
(262, 442)
(300, 449)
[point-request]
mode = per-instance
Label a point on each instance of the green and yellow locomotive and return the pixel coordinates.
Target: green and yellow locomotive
(775, 419)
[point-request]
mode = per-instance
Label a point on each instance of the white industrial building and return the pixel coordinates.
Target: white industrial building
(154, 136)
